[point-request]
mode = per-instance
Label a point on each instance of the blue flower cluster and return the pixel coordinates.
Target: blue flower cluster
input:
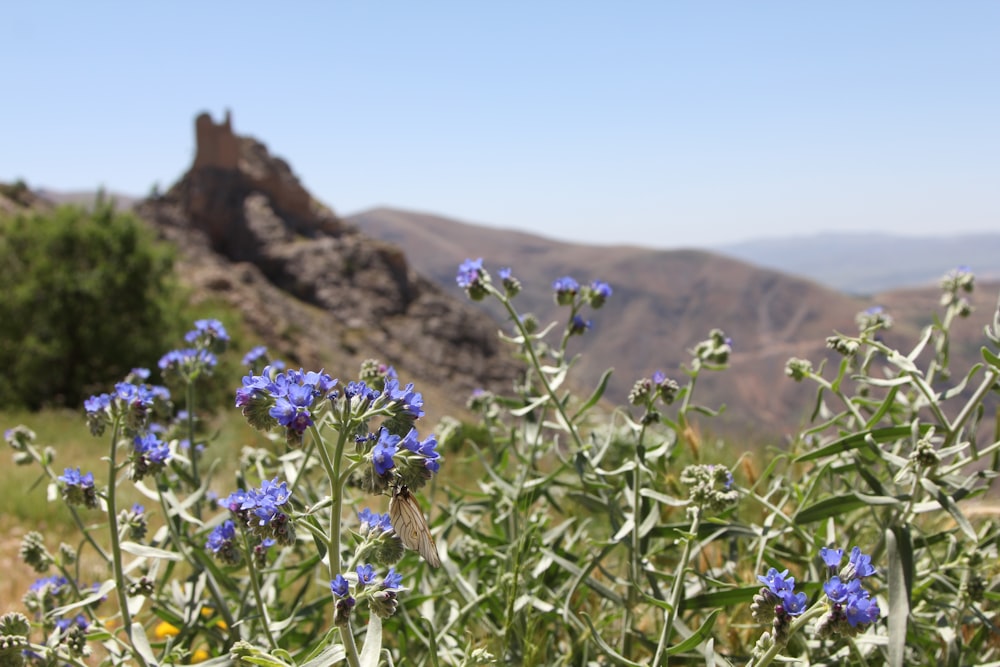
(413, 459)
(149, 455)
(852, 609)
(260, 511)
(222, 543)
(782, 588)
(133, 402)
(186, 362)
(78, 488)
(381, 595)
(258, 357)
(285, 399)
(206, 333)
(473, 278)
(374, 522)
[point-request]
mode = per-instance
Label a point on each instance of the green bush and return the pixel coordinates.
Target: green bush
(84, 297)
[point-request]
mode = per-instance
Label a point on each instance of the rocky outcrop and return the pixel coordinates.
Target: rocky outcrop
(250, 233)
(18, 197)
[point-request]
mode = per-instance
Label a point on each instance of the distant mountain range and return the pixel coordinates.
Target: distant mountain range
(869, 263)
(665, 302)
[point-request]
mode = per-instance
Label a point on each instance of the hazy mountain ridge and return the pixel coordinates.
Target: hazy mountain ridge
(665, 301)
(865, 263)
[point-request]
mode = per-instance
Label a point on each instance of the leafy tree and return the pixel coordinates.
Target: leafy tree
(84, 297)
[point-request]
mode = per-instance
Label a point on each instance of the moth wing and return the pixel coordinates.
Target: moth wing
(411, 526)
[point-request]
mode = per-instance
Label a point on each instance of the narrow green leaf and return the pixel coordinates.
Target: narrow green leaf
(141, 644)
(523, 410)
(990, 358)
(330, 655)
(697, 637)
(602, 386)
(144, 551)
(373, 642)
(857, 440)
(609, 652)
(951, 507)
(839, 505)
(900, 578)
(663, 498)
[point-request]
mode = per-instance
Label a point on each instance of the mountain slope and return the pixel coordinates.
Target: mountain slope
(663, 304)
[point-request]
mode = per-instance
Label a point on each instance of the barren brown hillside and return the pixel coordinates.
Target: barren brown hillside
(666, 301)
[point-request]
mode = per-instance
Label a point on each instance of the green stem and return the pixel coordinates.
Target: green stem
(258, 598)
(796, 625)
(349, 645)
(677, 587)
(970, 406)
(193, 450)
(116, 551)
(537, 366)
(633, 590)
(332, 468)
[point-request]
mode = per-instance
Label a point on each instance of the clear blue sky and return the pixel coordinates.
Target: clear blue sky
(656, 123)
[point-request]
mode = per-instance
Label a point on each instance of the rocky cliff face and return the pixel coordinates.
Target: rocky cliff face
(307, 282)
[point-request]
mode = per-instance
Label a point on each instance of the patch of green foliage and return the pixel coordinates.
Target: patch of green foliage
(87, 295)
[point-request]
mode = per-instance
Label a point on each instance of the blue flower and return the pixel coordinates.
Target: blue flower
(839, 591)
(339, 586)
(392, 579)
(565, 284)
(860, 564)
(97, 403)
(405, 402)
(366, 575)
(601, 288)
(384, 450)
(470, 272)
(373, 521)
(566, 289)
(152, 448)
(831, 557)
(71, 477)
(208, 330)
(777, 582)
(292, 409)
(187, 362)
(578, 326)
(861, 609)
(221, 537)
(53, 584)
(254, 355)
(599, 292)
(793, 603)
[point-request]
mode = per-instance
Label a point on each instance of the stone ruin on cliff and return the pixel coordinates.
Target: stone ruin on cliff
(307, 282)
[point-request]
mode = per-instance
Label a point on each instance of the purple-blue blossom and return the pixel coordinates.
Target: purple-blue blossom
(255, 354)
(339, 586)
(469, 272)
(366, 575)
(384, 450)
(777, 581)
(392, 579)
(831, 557)
(221, 536)
(373, 521)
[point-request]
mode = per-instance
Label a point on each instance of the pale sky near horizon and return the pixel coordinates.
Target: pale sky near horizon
(653, 123)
